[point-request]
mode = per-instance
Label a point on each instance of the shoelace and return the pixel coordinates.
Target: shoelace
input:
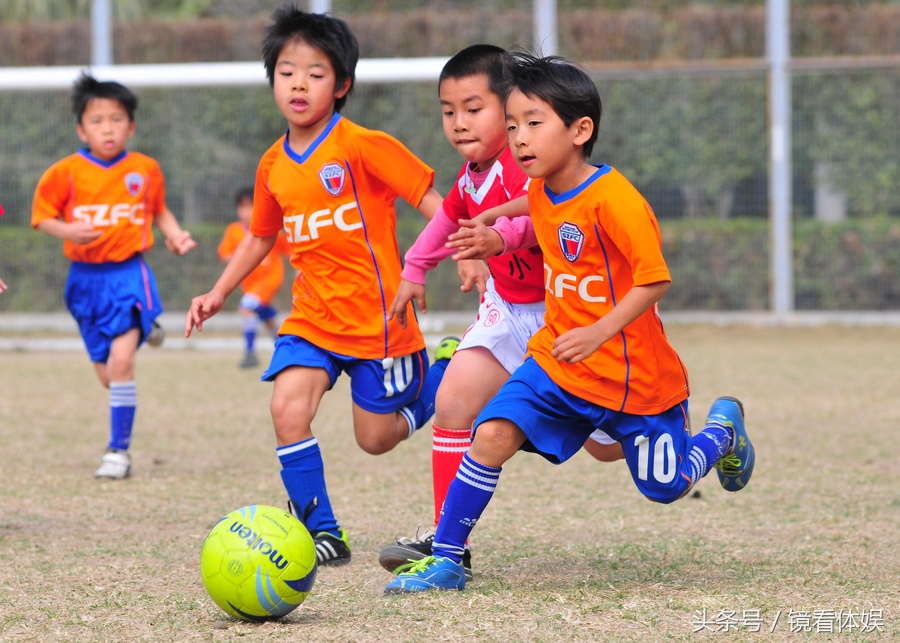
(413, 567)
(427, 536)
(729, 465)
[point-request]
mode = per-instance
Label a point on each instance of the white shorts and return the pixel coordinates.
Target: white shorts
(504, 329)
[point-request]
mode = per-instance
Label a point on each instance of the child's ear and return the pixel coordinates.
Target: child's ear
(583, 129)
(340, 92)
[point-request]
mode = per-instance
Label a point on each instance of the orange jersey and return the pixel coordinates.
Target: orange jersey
(336, 206)
(600, 240)
(118, 197)
(267, 277)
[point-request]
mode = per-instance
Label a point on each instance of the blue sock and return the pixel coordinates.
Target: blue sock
(248, 326)
(418, 412)
(122, 405)
(303, 474)
(469, 494)
(707, 447)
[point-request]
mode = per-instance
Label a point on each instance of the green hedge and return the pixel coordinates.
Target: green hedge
(716, 265)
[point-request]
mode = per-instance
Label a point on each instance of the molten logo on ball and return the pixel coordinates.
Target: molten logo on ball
(258, 563)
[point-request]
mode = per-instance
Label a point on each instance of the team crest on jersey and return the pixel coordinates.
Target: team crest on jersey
(332, 177)
(134, 183)
(571, 240)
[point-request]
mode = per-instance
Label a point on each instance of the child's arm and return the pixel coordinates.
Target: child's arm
(474, 240)
(511, 209)
(248, 255)
(430, 203)
(2, 285)
(579, 343)
(471, 273)
(178, 241)
(78, 232)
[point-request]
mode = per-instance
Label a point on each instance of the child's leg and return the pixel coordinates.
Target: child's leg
(469, 494)
(248, 328)
(495, 442)
(122, 389)
(422, 408)
(666, 461)
(603, 448)
(295, 400)
(472, 378)
(117, 374)
(394, 397)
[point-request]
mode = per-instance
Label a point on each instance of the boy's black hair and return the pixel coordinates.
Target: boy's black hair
(244, 194)
(86, 88)
(324, 32)
(559, 82)
(474, 60)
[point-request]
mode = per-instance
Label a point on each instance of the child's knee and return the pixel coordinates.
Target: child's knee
(495, 442)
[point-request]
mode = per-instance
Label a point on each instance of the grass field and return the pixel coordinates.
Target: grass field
(562, 553)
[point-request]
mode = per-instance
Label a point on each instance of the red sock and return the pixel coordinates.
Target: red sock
(447, 450)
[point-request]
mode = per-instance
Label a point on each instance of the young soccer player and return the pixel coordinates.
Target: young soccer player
(260, 286)
(331, 185)
(602, 358)
(512, 308)
(102, 201)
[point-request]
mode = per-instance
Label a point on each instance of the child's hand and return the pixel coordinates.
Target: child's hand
(473, 272)
(577, 344)
(181, 243)
(474, 240)
(80, 233)
(202, 308)
(2, 285)
(407, 292)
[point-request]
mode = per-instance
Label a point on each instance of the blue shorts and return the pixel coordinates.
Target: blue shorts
(109, 299)
(377, 385)
(263, 311)
(557, 423)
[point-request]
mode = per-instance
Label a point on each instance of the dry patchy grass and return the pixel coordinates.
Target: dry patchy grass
(569, 552)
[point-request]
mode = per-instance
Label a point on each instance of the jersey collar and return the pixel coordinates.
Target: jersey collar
(556, 199)
(300, 158)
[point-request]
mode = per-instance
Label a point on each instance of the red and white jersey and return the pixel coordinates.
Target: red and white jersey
(335, 203)
(118, 197)
(600, 240)
(518, 276)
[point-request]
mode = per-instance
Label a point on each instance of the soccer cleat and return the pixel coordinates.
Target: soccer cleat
(157, 336)
(446, 348)
(331, 550)
(736, 466)
(250, 360)
(408, 550)
(115, 465)
(427, 574)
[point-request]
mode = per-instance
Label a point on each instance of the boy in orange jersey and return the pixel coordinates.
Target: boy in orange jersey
(602, 359)
(260, 285)
(102, 201)
(331, 186)
(512, 308)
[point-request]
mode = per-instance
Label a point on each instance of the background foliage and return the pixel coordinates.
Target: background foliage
(684, 119)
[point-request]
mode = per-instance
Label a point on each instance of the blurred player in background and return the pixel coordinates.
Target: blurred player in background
(102, 201)
(260, 286)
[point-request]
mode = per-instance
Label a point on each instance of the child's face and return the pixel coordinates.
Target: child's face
(245, 211)
(540, 141)
(105, 127)
(304, 87)
(473, 119)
